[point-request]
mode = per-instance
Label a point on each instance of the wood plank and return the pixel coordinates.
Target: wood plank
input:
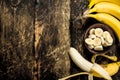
(54, 43)
(16, 39)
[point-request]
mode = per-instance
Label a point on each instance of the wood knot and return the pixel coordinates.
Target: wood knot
(15, 3)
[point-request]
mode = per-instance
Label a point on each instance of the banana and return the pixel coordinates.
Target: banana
(105, 34)
(87, 66)
(97, 41)
(107, 19)
(102, 40)
(93, 2)
(89, 41)
(113, 58)
(106, 44)
(98, 32)
(91, 46)
(111, 68)
(106, 7)
(98, 48)
(92, 36)
(108, 37)
(89, 0)
(92, 31)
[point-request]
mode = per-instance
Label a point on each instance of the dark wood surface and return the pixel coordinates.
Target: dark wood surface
(35, 37)
(55, 39)
(16, 39)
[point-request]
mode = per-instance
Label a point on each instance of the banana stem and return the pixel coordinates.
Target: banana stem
(77, 74)
(85, 15)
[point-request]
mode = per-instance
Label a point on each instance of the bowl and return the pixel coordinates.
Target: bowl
(105, 28)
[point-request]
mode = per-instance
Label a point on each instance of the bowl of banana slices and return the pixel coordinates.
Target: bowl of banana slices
(99, 38)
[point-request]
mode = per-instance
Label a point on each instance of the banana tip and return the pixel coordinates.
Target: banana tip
(99, 70)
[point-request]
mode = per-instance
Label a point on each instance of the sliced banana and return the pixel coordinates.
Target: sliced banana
(89, 41)
(102, 40)
(92, 36)
(109, 39)
(106, 44)
(92, 31)
(91, 46)
(105, 34)
(98, 32)
(97, 41)
(98, 48)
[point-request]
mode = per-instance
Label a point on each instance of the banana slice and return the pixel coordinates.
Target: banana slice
(97, 41)
(102, 40)
(98, 32)
(98, 48)
(92, 36)
(108, 37)
(106, 44)
(89, 41)
(92, 31)
(105, 34)
(91, 46)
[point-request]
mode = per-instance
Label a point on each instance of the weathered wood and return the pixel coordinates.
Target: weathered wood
(16, 39)
(76, 32)
(46, 57)
(54, 43)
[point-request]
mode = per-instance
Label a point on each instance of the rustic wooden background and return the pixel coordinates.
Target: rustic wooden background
(35, 37)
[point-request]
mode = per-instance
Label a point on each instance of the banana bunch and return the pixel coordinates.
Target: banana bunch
(107, 12)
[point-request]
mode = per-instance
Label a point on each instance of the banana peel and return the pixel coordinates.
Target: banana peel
(111, 68)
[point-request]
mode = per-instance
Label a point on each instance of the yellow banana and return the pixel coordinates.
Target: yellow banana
(107, 7)
(93, 2)
(111, 68)
(107, 19)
